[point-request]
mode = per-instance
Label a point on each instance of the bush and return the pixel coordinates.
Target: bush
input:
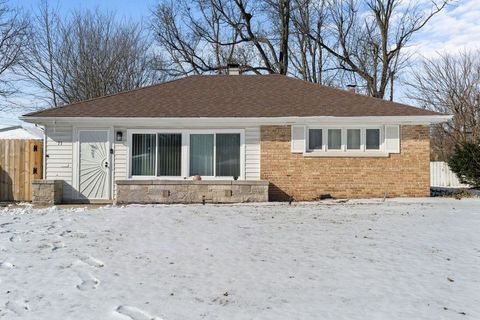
(465, 162)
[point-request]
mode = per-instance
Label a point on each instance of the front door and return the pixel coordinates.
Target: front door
(94, 164)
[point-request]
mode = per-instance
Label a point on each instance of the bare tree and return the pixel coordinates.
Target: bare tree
(322, 41)
(205, 35)
(309, 60)
(41, 63)
(450, 84)
(13, 37)
(367, 38)
(86, 55)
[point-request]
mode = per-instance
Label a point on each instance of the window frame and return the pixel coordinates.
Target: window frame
(185, 154)
(342, 142)
(344, 151)
(307, 140)
(380, 136)
(362, 138)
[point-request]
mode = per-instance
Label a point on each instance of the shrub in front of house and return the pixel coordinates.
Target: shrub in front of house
(465, 162)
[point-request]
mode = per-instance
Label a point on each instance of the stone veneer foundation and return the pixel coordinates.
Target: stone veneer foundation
(406, 174)
(47, 192)
(189, 191)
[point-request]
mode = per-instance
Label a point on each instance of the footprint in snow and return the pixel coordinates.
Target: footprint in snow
(93, 262)
(57, 245)
(15, 238)
(135, 313)
(88, 282)
(18, 307)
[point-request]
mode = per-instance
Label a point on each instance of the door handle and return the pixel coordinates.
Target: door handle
(106, 164)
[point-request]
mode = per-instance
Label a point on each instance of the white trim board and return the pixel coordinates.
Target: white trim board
(234, 122)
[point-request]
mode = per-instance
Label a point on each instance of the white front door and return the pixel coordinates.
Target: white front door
(94, 164)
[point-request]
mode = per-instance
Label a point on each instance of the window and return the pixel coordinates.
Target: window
(226, 156)
(334, 139)
(183, 153)
(154, 154)
(143, 154)
(169, 154)
(349, 140)
(315, 138)
(373, 139)
(353, 139)
(201, 154)
(227, 161)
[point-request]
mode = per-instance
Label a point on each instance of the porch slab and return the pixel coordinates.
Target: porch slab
(191, 191)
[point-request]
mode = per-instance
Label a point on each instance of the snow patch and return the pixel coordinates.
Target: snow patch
(398, 259)
(6, 265)
(18, 307)
(91, 261)
(135, 313)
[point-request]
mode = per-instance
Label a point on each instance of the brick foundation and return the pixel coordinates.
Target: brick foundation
(47, 192)
(306, 178)
(188, 191)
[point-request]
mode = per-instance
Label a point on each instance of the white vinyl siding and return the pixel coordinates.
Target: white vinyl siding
(120, 151)
(252, 153)
(59, 157)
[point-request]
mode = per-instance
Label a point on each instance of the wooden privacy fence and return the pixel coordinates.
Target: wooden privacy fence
(442, 176)
(20, 163)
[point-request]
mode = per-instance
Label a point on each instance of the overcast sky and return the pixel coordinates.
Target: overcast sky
(457, 27)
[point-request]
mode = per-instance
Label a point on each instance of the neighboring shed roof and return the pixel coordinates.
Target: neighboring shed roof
(234, 96)
(19, 132)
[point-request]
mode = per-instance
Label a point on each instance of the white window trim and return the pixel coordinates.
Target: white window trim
(344, 152)
(185, 163)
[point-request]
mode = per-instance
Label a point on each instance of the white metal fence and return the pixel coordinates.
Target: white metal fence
(442, 176)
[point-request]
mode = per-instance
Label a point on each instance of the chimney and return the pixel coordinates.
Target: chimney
(233, 69)
(351, 88)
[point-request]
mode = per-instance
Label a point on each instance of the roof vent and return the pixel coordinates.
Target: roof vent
(233, 69)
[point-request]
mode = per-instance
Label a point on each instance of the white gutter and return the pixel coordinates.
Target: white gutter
(231, 121)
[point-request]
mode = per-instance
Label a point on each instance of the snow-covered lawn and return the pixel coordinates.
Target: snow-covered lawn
(402, 259)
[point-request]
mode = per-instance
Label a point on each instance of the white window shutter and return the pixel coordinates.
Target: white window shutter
(298, 139)
(392, 139)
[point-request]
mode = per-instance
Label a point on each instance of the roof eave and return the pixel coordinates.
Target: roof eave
(236, 121)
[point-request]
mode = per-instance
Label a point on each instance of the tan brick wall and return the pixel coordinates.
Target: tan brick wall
(305, 178)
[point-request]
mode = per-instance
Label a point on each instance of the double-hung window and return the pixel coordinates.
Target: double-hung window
(186, 153)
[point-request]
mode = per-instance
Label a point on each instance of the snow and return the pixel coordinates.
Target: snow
(17, 132)
(398, 259)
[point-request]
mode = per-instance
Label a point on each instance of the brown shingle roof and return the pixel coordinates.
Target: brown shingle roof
(234, 96)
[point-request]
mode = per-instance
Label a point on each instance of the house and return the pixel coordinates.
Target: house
(247, 137)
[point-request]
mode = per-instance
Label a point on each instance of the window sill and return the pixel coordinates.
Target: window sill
(345, 154)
